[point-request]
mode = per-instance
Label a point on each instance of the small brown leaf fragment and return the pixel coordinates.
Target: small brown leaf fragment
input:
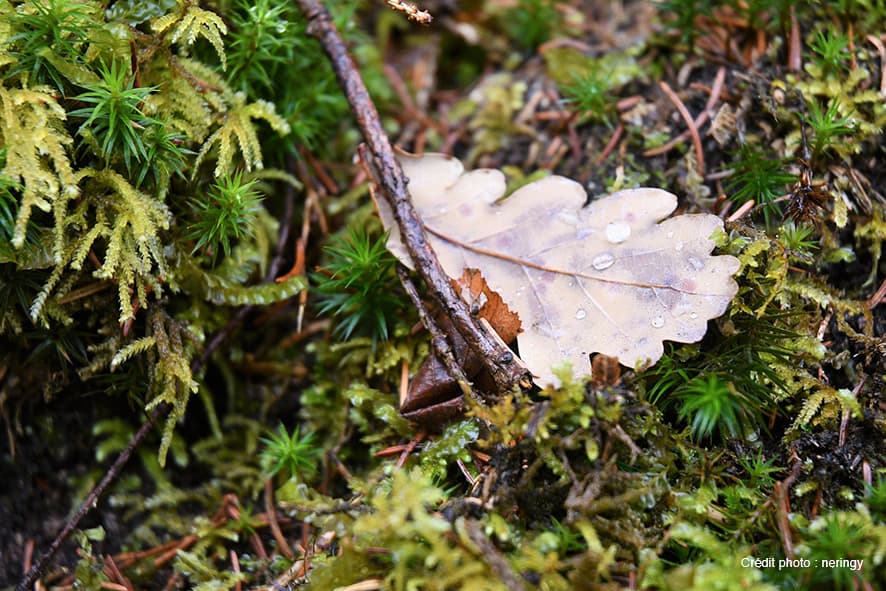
(605, 371)
(485, 303)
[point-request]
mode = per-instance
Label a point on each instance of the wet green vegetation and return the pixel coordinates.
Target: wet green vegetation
(164, 165)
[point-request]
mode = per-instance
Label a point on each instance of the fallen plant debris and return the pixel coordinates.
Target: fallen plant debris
(603, 278)
(434, 397)
(354, 423)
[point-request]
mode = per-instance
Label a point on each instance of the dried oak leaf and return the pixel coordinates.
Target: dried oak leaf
(606, 277)
(487, 304)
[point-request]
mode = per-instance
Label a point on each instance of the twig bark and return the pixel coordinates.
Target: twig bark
(498, 359)
(441, 345)
(493, 557)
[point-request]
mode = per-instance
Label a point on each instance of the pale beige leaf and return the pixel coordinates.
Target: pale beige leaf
(603, 278)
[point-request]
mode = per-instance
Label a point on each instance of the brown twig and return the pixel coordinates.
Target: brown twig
(91, 500)
(412, 12)
(741, 211)
(493, 557)
(113, 572)
(441, 345)
(392, 181)
(411, 110)
(328, 183)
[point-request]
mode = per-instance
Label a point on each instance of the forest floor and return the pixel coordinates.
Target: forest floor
(763, 441)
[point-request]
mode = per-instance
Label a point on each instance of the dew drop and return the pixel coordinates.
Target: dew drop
(693, 315)
(580, 314)
(695, 263)
(617, 232)
(658, 322)
(678, 246)
(648, 500)
(670, 234)
(603, 261)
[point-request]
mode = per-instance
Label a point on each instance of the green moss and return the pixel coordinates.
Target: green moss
(139, 203)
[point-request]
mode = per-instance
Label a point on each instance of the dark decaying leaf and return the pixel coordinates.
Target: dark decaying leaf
(434, 396)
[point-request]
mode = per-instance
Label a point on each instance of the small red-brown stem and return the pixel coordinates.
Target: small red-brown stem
(741, 211)
(574, 142)
(410, 447)
(464, 470)
(613, 141)
(690, 124)
(550, 115)
(235, 566)
(391, 450)
(498, 359)
(628, 103)
(404, 381)
(127, 559)
(271, 512)
(181, 544)
(881, 49)
(29, 555)
(795, 52)
(327, 181)
(173, 582)
(298, 267)
(411, 110)
(113, 571)
(782, 504)
(850, 33)
(481, 457)
(878, 296)
(844, 426)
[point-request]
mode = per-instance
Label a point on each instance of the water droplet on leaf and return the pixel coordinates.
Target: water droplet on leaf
(603, 261)
(617, 232)
(658, 322)
(580, 314)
